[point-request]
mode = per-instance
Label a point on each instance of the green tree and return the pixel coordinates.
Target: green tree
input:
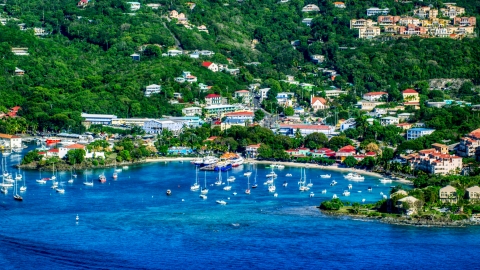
(350, 161)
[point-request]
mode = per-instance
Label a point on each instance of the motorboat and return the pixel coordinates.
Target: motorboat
(218, 182)
(204, 197)
(231, 179)
(125, 167)
(354, 177)
(237, 161)
(272, 174)
(209, 160)
(60, 190)
(195, 187)
(303, 188)
(227, 188)
(324, 191)
(334, 196)
(369, 189)
(280, 167)
(77, 218)
(222, 202)
(285, 184)
(41, 181)
(333, 183)
(385, 197)
(102, 178)
(247, 174)
(385, 180)
(288, 175)
(346, 193)
(312, 194)
(169, 192)
(271, 188)
(350, 186)
(275, 195)
(325, 176)
(234, 193)
(268, 182)
(247, 191)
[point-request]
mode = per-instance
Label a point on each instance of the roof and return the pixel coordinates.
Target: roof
(376, 94)
(54, 150)
(253, 146)
(314, 127)
(475, 133)
(8, 136)
(474, 188)
(239, 114)
(421, 129)
(408, 199)
(448, 188)
(321, 99)
(75, 146)
(213, 96)
(242, 91)
(347, 148)
(439, 145)
(207, 64)
(409, 91)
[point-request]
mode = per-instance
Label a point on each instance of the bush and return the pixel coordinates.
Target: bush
(334, 204)
(458, 217)
(94, 162)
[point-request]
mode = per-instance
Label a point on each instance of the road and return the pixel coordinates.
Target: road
(269, 120)
(177, 42)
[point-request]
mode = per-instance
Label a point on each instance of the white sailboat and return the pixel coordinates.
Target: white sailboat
(231, 178)
(70, 181)
(205, 189)
(219, 179)
(195, 186)
(325, 175)
(302, 182)
(115, 174)
(255, 185)
(24, 187)
(41, 180)
(16, 196)
(60, 190)
(247, 191)
(88, 183)
(310, 184)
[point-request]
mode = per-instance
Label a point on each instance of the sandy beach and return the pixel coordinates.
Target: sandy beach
(292, 164)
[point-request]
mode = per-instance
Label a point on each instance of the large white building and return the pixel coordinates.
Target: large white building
(377, 11)
(375, 96)
(219, 110)
(10, 141)
(435, 162)
(389, 120)
(192, 111)
(97, 119)
(157, 126)
(415, 133)
(290, 130)
(152, 89)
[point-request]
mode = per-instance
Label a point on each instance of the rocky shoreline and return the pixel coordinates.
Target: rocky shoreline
(63, 166)
(408, 221)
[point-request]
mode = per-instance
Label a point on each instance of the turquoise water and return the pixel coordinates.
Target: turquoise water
(131, 223)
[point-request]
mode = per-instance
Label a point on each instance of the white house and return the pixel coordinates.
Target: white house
(192, 111)
(263, 93)
(213, 99)
(318, 103)
(186, 77)
(389, 120)
(211, 66)
(285, 99)
(339, 4)
(310, 8)
(308, 21)
(377, 11)
(174, 52)
(375, 96)
(415, 133)
(134, 6)
(157, 126)
(239, 116)
(251, 151)
(10, 141)
(152, 89)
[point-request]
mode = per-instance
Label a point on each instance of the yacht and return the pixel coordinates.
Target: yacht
(227, 188)
(204, 197)
(271, 188)
(169, 192)
(288, 175)
(208, 160)
(325, 175)
(334, 196)
(196, 185)
(247, 174)
(222, 202)
(237, 161)
(324, 191)
(275, 195)
(333, 183)
(280, 167)
(285, 184)
(385, 180)
(369, 189)
(346, 193)
(41, 181)
(312, 194)
(60, 190)
(350, 186)
(354, 177)
(231, 179)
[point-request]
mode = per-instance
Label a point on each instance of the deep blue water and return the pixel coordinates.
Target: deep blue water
(131, 223)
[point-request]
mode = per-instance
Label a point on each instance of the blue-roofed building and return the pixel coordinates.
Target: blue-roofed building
(97, 119)
(415, 133)
(179, 150)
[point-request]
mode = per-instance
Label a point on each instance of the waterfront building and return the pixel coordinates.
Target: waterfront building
(415, 133)
(448, 194)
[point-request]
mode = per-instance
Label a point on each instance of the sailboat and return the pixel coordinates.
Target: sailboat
(115, 174)
(70, 181)
(227, 187)
(231, 178)
(219, 180)
(87, 183)
(102, 178)
(16, 196)
(302, 183)
(255, 185)
(195, 186)
(205, 189)
(24, 187)
(41, 180)
(60, 190)
(310, 184)
(247, 191)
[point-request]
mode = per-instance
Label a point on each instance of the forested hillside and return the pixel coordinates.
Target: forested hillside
(84, 63)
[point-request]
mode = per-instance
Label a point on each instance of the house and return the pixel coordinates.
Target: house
(368, 105)
(251, 151)
(310, 8)
(134, 6)
(263, 93)
(349, 123)
(179, 150)
(408, 20)
(285, 99)
(361, 23)
(82, 3)
(157, 126)
(218, 110)
(448, 194)
(318, 103)
(243, 95)
(345, 152)
(213, 99)
(452, 11)
(388, 20)
(186, 77)
(307, 21)
(10, 141)
(211, 66)
(97, 119)
(289, 130)
(129, 121)
(469, 144)
(174, 52)
(202, 28)
(441, 148)
(465, 21)
(368, 32)
(404, 116)
(434, 162)
(389, 120)
(152, 89)
(339, 4)
(322, 152)
(375, 96)
(177, 95)
(473, 193)
(415, 133)
(236, 119)
(412, 203)
(307, 86)
(233, 71)
(377, 11)
(425, 12)
(19, 72)
(404, 126)
(334, 93)
(154, 6)
(39, 31)
(410, 98)
(317, 58)
(135, 56)
(20, 51)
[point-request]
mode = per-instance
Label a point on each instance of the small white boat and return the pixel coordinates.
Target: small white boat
(234, 193)
(381, 193)
(324, 191)
(288, 175)
(350, 186)
(247, 173)
(363, 200)
(218, 182)
(334, 196)
(227, 188)
(272, 174)
(271, 188)
(346, 193)
(325, 175)
(204, 197)
(231, 179)
(54, 185)
(268, 182)
(369, 189)
(312, 194)
(125, 167)
(60, 190)
(333, 183)
(354, 177)
(88, 184)
(359, 191)
(385, 180)
(4, 190)
(385, 197)
(222, 202)
(23, 188)
(280, 166)
(70, 181)
(303, 188)
(77, 218)
(41, 181)
(275, 195)
(195, 187)
(169, 192)
(285, 184)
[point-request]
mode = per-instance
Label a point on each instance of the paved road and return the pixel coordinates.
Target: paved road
(177, 42)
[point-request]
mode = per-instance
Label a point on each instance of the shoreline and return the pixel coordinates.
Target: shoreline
(291, 164)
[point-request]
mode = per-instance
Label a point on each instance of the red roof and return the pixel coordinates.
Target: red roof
(41, 153)
(75, 146)
(239, 114)
(242, 91)
(315, 127)
(212, 138)
(410, 91)
(347, 148)
(376, 94)
(213, 96)
(322, 100)
(253, 146)
(371, 154)
(54, 150)
(16, 108)
(206, 64)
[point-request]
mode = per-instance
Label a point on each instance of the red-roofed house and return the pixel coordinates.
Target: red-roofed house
(82, 3)
(344, 152)
(213, 99)
(434, 162)
(11, 141)
(375, 96)
(318, 103)
(469, 144)
(240, 115)
(211, 66)
(251, 151)
(323, 152)
(411, 98)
